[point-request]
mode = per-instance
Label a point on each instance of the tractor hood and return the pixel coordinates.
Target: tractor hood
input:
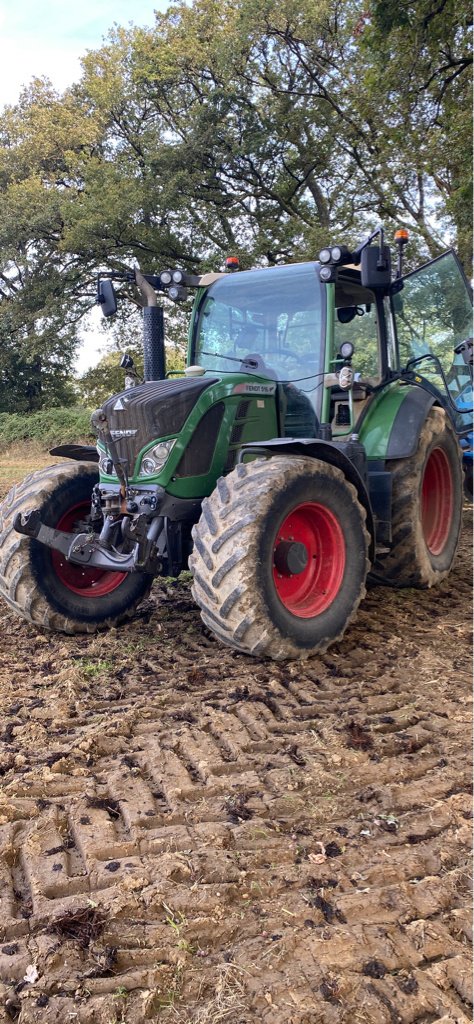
(156, 409)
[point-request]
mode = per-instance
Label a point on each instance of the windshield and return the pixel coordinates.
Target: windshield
(264, 322)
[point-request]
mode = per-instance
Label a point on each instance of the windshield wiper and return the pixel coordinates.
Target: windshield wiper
(233, 359)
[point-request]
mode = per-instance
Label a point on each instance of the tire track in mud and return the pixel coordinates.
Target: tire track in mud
(184, 830)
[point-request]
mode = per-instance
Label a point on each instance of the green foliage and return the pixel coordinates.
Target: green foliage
(261, 129)
(107, 377)
(40, 294)
(46, 428)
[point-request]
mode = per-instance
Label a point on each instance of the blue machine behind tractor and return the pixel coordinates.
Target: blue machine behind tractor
(463, 358)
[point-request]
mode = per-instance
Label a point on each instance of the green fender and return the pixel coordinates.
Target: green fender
(392, 422)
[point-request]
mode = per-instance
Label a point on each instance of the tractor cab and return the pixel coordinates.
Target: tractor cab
(268, 324)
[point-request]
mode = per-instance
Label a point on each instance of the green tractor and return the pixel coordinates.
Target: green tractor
(312, 439)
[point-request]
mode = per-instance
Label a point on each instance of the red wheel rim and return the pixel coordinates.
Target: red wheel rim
(79, 579)
(310, 592)
(437, 501)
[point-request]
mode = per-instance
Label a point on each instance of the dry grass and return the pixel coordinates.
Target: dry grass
(224, 1007)
(18, 461)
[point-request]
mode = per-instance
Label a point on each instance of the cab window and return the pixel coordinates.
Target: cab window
(361, 331)
(433, 315)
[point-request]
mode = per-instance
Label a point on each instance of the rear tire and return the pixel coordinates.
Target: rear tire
(37, 582)
(426, 508)
(280, 557)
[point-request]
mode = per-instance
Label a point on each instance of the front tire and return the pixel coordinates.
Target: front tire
(280, 557)
(426, 508)
(37, 582)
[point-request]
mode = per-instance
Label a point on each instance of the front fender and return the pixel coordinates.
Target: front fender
(336, 454)
(391, 426)
(78, 452)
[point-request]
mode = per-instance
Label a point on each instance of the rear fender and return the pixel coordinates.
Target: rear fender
(326, 451)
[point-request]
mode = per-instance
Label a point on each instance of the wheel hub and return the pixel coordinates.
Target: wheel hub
(291, 557)
(309, 557)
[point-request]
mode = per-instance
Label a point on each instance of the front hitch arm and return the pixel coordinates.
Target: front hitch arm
(77, 548)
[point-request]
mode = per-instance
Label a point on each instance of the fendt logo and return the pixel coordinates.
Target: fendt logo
(117, 434)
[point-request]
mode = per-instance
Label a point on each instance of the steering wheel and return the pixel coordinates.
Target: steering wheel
(285, 352)
(286, 359)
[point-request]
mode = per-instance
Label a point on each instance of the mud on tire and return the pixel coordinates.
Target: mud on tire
(426, 508)
(36, 582)
(256, 512)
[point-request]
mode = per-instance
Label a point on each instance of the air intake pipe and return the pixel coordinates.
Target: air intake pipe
(153, 331)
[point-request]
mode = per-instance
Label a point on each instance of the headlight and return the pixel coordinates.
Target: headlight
(154, 460)
(325, 256)
(106, 465)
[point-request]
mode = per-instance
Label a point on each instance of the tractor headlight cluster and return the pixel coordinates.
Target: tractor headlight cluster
(154, 460)
(332, 257)
(177, 282)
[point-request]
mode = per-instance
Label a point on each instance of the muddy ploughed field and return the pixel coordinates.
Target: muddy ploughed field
(189, 835)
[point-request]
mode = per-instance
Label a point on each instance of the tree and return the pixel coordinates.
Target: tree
(266, 130)
(41, 302)
(287, 123)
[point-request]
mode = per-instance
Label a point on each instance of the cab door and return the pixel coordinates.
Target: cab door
(433, 323)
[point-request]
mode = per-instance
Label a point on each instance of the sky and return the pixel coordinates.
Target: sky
(48, 38)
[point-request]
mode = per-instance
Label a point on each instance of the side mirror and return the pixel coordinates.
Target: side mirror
(346, 314)
(376, 267)
(107, 298)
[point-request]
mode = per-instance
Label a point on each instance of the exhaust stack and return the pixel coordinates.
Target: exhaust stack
(153, 331)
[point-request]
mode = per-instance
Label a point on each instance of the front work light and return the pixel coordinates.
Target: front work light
(347, 350)
(327, 274)
(177, 293)
(325, 256)
(341, 254)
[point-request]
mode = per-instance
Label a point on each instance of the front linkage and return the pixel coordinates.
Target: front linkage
(145, 532)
